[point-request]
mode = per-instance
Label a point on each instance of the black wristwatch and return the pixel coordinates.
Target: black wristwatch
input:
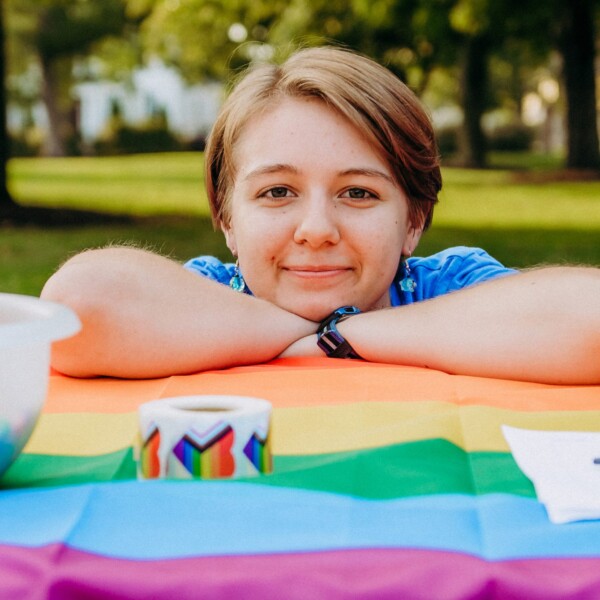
(330, 340)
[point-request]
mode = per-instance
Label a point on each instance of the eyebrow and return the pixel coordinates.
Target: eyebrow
(369, 173)
(268, 169)
(282, 167)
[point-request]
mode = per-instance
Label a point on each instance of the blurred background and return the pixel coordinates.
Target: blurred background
(108, 103)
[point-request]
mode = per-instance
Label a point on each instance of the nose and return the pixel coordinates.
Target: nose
(318, 222)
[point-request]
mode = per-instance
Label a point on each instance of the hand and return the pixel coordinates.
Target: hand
(306, 346)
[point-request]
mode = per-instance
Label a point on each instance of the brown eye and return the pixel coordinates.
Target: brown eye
(278, 192)
(357, 193)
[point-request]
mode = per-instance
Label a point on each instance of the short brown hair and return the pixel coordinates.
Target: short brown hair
(373, 99)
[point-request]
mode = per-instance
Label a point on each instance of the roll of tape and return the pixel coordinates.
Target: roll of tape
(204, 437)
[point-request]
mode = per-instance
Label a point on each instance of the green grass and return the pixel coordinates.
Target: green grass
(144, 184)
(28, 256)
(522, 220)
(502, 199)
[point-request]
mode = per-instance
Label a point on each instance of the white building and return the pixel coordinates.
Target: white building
(190, 110)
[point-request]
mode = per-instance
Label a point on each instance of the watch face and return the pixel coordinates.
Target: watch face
(338, 315)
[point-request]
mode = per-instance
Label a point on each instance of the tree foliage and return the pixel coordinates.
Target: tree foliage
(52, 35)
(414, 38)
(206, 38)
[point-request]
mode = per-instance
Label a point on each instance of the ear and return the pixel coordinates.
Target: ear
(229, 238)
(413, 236)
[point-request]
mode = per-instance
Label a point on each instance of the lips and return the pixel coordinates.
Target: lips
(316, 271)
(316, 268)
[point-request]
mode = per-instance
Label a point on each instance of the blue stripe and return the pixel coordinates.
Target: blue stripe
(158, 520)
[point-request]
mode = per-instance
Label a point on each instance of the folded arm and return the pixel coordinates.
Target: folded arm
(542, 325)
(145, 316)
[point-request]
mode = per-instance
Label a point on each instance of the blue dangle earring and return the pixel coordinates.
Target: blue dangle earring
(407, 283)
(237, 282)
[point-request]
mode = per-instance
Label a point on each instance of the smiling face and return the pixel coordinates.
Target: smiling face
(316, 218)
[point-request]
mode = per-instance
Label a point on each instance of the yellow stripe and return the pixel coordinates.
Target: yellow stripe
(323, 429)
(367, 425)
(82, 434)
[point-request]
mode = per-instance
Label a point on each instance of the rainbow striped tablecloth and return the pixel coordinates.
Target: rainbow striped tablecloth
(389, 482)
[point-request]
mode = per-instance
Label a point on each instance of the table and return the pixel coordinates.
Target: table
(388, 482)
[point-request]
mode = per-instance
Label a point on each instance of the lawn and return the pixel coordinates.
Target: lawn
(143, 184)
(524, 218)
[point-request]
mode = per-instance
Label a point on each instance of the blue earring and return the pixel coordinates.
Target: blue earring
(407, 284)
(237, 282)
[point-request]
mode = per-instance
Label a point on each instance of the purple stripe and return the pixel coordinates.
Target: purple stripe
(57, 572)
(179, 451)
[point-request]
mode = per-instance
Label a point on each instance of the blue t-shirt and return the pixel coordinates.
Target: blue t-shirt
(447, 271)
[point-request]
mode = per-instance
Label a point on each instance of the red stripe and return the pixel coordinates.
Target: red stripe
(58, 572)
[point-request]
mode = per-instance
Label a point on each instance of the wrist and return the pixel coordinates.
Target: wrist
(293, 324)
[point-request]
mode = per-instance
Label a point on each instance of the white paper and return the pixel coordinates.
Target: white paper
(561, 466)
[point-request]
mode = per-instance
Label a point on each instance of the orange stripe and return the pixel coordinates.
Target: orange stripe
(70, 395)
(320, 381)
(305, 383)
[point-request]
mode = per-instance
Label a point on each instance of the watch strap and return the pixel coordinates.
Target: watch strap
(330, 340)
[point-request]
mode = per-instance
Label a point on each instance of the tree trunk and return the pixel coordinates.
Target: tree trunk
(58, 123)
(578, 52)
(471, 142)
(7, 204)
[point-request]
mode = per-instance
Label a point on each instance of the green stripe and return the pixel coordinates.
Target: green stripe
(497, 472)
(43, 470)
(417, 468)
(432, 466)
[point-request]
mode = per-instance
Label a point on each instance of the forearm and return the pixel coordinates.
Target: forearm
(146, 316)
(542, 325)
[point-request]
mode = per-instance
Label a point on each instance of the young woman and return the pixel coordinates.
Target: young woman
(322, 173)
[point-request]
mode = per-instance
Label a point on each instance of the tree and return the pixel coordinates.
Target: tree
(411, 37)
(56, 34)
(566, 27)
(206, 39)
(7, 204)
(415, 36)
(576, 41)
(11, 211)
